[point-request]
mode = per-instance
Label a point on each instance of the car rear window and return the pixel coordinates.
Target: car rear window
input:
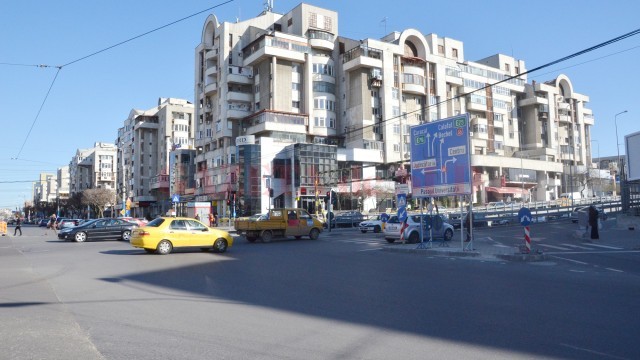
(155, 222)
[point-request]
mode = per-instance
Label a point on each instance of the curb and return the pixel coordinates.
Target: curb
(522, 257)
(432, 251)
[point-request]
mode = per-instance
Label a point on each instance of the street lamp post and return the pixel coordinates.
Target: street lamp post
(615, 122)
(599, 177)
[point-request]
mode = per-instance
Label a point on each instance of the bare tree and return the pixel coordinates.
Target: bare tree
(98, 199)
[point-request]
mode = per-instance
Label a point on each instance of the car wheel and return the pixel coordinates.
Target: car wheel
(376, 229)
(314, 234)
(390, 241)
(150, 251)
(126, 235)
(413, 238)
(220, 246)
(448, 235)
(363, 231)
(80, 236)
(251, 239)
(266, 236)
(164, 247)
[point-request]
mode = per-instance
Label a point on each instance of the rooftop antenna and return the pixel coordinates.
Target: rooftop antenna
(384, 20)
(268, 6)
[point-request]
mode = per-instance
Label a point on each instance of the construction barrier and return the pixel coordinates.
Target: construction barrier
(3, 228)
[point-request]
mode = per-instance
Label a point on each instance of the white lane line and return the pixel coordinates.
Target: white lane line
(575, 261)
(606, 247)
(595, 252)
(577, 247)
(376, 249)
(554, 247)
(611, 356)
(612, 269)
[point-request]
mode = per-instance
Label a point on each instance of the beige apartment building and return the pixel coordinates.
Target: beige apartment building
(144, 145)
(93, 168)
(283, 102)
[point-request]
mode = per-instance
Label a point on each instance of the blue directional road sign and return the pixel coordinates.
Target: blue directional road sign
(401, 200)
(384, 217)
(402, 214)
(440, 158)
(175, 198)
(524, 216)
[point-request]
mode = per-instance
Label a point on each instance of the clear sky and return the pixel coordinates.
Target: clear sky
(91, 98)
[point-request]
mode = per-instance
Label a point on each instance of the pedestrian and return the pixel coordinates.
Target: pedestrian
(198, 217)
(52, 224)
(18, 226)
(593, 222)
(215, 218)
(468, 221)
(210, 220)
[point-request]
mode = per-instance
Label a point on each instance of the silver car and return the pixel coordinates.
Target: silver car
(432, 224)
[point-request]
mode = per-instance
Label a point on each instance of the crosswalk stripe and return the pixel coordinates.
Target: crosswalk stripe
(554, 247)
(576, 246)
(606, 247)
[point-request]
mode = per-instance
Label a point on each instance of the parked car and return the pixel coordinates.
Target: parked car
(349, 218)
(432, 224)
(43, 222)
(376, 225)
(99, 229)
(162, 235)
(574, 215)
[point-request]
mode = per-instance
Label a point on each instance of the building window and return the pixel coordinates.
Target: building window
(396, 147)
(396, 129)
(441, 49)
(290, 22)
(454, 51)
(507, 67)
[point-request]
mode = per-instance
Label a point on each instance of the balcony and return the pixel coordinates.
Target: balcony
(272, 46)
(239, 96)
(362, 56)
(413, 89)
(212, 54)
(535, 100)
(211, 71)
(238, 110)
(275, 121)
(564, 118)
(321, 39)
(240, 74)
(159, 182)
(211, 88)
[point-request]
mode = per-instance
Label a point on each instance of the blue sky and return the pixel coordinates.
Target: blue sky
(91, 98)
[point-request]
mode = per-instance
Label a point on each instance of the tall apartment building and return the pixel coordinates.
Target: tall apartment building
(63, 181)
(282, 101)
(44, 190)
(144, 145)
(93, 168)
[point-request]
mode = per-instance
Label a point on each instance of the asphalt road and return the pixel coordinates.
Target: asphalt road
(340, 297)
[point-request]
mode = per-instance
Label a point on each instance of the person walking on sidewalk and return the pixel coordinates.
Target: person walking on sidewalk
(51, 224)
(593, 222)
(18, 226)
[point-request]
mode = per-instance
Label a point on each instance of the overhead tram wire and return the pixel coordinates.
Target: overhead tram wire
(568, 57)
(17, 157)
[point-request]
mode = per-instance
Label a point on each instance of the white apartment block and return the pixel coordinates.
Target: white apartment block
(63, 182)
(44, 190)
(264, 84)
(93, 168)
(144, 144)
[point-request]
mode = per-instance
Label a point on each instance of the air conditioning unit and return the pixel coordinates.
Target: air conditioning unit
(250, 76)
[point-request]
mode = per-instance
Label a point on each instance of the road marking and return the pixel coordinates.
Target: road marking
(592, 351)
(575, 261)
(595, 252)
(553, 247)
(612, 269)
(606, 247)
(576, 246)
(370, 249)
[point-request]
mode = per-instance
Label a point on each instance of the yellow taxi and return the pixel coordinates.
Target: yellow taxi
(163, 234)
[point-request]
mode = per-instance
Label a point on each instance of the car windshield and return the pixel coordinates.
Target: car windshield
(155, 222)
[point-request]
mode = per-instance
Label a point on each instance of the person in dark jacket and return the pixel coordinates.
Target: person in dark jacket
(593, 222)
(468, 220)
(18, 226)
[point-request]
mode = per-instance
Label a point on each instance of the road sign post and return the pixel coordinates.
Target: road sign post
(524, 217)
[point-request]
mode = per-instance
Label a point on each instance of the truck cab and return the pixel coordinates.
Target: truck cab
(283, 222)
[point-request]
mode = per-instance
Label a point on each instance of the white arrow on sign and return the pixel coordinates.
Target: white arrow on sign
(525, 217)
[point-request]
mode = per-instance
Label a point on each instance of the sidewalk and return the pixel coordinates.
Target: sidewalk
(617, 230)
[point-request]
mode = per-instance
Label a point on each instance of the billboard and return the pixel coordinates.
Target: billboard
(632, 147)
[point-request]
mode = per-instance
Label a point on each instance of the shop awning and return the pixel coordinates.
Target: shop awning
(507, 190)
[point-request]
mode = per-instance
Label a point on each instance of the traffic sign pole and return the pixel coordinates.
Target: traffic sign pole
(527, 239)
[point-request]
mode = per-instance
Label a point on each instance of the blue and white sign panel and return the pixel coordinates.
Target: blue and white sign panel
(524, 216)
(440, 158)
(175, 198)
(402, 214)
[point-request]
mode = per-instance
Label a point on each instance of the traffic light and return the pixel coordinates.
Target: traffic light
(334, 197)
(270, 192)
